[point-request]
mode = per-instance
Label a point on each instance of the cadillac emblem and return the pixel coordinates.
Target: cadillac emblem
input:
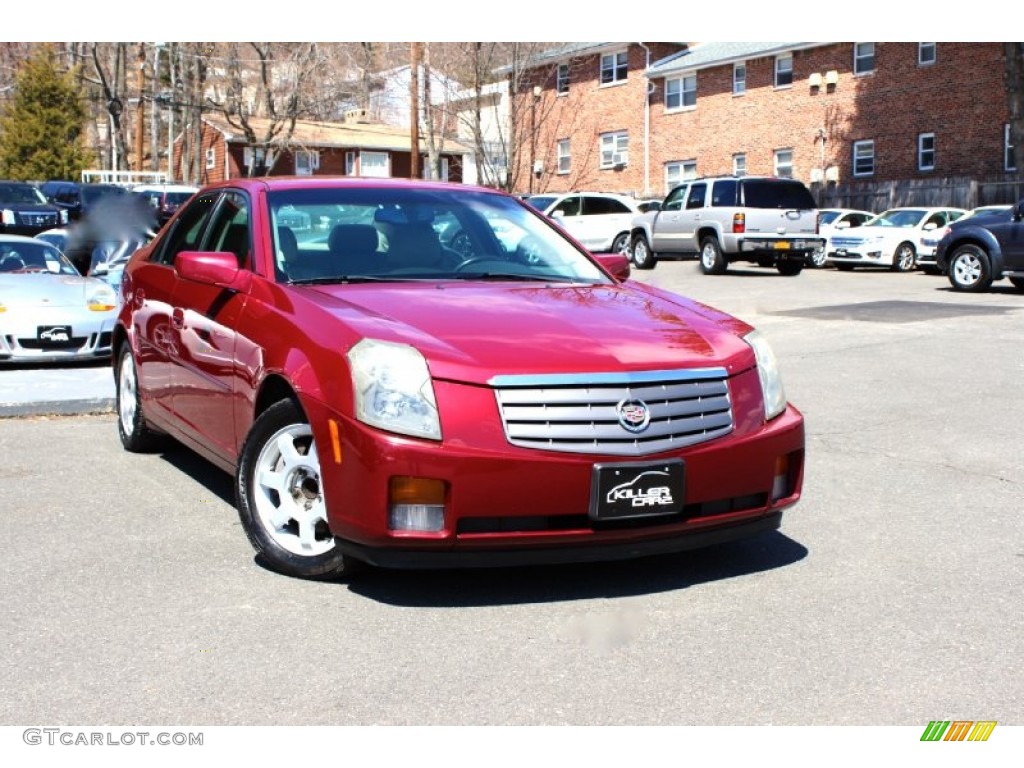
(634, 415)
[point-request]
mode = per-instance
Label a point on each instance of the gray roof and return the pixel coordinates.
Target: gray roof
(566, 51)
(705, 55)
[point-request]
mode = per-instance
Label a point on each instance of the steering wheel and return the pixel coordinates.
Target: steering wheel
(470, 262)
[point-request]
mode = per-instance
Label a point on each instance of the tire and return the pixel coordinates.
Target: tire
(136, 435)
(641, 254)
(621, 244)
(790, 267)
(969, 269)
(712, 262)
(1018, 283)
(903, 258)
(817, 258)
(280, 497)
(844, 267)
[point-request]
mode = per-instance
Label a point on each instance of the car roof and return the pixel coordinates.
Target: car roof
(18, 239)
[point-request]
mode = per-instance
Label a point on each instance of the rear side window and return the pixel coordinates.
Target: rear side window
(723, 194)
(767, 193)
(594, 206)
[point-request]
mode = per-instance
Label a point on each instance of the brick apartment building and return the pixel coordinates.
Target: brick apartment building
(638, 117)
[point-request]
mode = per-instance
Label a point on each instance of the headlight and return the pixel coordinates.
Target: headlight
(768, 371)
(7, 217)
(101, 299)
(393, 389)
(63, 216)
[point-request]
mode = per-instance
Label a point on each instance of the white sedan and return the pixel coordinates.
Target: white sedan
(891, 239)
(48, 311)
(833, 220)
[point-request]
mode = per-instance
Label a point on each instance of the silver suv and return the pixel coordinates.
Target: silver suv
(767, 220)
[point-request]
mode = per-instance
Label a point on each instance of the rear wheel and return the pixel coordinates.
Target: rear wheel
(281, 497)
(642, 256)
(136, 436)
(903, 258)
(969, 269)
(712, 262)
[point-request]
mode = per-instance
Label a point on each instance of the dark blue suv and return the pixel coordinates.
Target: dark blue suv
(978, 249)
(25, 211)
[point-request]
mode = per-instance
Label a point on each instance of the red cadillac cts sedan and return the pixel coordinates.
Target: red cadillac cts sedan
(415, 374)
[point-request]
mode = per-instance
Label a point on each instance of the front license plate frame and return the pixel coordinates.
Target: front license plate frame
(626, 490)
(44, 335)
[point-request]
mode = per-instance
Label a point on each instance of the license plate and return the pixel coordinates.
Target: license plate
(54, 334)
(620, 491)
(782, 245)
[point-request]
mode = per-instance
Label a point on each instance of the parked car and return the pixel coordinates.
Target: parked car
(48, 312)
(599, 220)
(25, 211)
(164, 199)
(926, 257)
(767, 220)
(419, 407)
(831, 221)
(977, 250)
(891, 239)
(77, 198)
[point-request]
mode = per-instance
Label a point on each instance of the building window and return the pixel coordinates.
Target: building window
(350, 163)
(374, 164)
(564, 158)
(253, 158)
(211, 159)
(926, 152)
(562, 80)
(681, 92)
(614, 149)
(925, 54)
(739, 78)
(613, 68)
(1008, 160)
(784, 163)
(676, 173)
(863, 58)
(739, 165)
(783, 70)
(864, 158)
(306, 163)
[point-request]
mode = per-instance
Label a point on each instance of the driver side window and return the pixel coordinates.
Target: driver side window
(188, 229)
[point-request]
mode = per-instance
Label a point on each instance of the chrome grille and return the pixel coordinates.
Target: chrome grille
(579, 413)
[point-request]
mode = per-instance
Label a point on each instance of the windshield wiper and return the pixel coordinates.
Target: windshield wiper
(513, 276)
(348, 279)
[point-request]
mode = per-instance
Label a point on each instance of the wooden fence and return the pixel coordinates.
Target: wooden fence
(955, 192)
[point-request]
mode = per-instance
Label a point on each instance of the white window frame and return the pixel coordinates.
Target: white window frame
(562, 80)
(564, 156)
(739, 78)
(863, 150)
(613, 143)
(1008, 163)
(681, 90)
(374, 164)
(306, 163)
(739, 164)
(211, 158)
(783, 70)
(610, 62)
(782, 160)
(863, 58)
(924, 164)
(927, 54)
(679, 171)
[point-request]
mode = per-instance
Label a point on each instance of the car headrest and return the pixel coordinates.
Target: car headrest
(353, 238)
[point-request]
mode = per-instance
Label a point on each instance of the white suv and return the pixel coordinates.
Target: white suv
(600, 221)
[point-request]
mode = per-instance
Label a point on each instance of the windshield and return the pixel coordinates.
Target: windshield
(827, 217)
(905, 217)
(541, 202)
(20, 193)
(33, 256)
(340, 234)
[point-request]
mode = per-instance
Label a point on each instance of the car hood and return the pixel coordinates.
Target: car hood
(472, 331)
(30, 207)
(33, 289)
(865, 232)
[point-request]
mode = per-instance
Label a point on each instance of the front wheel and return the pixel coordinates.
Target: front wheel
(712, 262)
(621, 244)
(642, 256)
(280, 497)
(969, 269)
(903, 258)
(818, 258)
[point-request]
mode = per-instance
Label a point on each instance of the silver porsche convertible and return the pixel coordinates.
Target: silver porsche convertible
(48, 311)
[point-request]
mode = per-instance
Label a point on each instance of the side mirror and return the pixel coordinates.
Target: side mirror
(558, 214)
(615, 263)
(218, 268)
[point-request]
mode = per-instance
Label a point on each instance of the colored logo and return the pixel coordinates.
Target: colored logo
(958, 730)
(634, 415)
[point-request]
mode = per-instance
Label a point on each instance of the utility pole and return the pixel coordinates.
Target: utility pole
(416, 51)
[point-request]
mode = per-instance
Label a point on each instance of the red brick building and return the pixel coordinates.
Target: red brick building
(828, 113)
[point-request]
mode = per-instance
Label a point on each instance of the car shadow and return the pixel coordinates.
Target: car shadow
(586, 581)
(212, 478)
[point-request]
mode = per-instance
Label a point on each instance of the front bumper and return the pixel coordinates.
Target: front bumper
(89, 339)
(506, 505)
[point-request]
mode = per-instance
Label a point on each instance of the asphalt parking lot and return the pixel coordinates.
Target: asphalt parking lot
(891, 595)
